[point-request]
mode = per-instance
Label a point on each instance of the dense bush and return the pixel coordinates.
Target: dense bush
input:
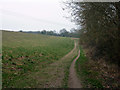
(100, 27)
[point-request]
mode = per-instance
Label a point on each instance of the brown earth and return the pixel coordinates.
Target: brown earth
(74, 82)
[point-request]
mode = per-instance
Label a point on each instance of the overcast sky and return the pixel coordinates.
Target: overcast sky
(33, 15)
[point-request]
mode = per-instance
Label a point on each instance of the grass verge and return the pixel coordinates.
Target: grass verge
(67, 70)
(89, 78)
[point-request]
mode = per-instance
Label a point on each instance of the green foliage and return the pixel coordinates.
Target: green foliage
(22, 52)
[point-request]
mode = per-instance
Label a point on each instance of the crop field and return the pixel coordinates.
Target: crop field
(0, 59)
(23, 52)
(0, 42)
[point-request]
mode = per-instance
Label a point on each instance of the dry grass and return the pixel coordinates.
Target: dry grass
(109, 73)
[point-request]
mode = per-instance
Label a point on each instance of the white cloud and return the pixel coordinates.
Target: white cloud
(33, 15)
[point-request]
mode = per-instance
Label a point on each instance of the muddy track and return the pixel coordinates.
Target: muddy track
(74, 81)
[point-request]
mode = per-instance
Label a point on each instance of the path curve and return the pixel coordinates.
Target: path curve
(73, 81)
(58, 81)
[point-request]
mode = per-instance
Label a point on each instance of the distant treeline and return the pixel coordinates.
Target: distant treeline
(100, 27)
(63, 32)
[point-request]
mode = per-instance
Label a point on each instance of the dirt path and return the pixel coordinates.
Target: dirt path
(73, 79)
(53, 75)
(60, 66)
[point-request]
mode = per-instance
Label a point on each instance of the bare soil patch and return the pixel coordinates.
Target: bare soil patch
(74, 82)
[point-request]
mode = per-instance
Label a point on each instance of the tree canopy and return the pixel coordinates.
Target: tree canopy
(100, 27)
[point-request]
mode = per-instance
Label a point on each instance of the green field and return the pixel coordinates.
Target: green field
(0, 42)
(0, 59)
(25, 54)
